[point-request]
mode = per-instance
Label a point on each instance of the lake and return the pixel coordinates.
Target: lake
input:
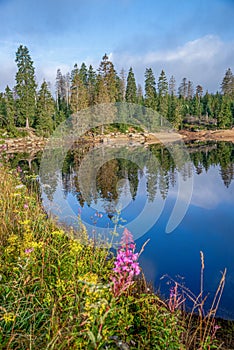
(138, 187)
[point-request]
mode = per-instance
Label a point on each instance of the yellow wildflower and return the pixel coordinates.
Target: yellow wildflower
(9, 317)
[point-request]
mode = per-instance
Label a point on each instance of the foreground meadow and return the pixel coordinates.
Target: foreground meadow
(59, 290)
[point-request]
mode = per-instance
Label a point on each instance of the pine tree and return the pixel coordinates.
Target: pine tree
(150, 89)
(91, 85)
(173, 113)
(25, 87)
(45, 111)
(227, 85)
(197, 107)
(131, 89)
(163, 95)
(224, 119)
(62, 89)
(101, 94)
(109, 77)
(162, 84)
(206, 104)
(79, 93)
(74, 71)
(83, 74)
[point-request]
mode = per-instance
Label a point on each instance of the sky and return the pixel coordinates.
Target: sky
(192, 39)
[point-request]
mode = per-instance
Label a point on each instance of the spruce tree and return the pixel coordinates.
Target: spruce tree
(162, 84)
(109, 77)
(163, 95)
(25, 87)
(150, 89)
(45, 111)
(224, 119)
(79, 93)
(227, 85)
(91, 85)
(62, 90)
(197, 111)
(131, 89)
(83, 73)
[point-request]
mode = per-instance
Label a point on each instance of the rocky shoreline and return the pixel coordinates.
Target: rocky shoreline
(32, 143)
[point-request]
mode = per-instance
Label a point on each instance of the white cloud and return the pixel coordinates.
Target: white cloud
(204, 61)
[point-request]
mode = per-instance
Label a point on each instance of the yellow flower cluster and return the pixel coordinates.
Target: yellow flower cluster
(96, 302)
(58, 233)
(60, 284)
(24, 245)
(9, 317)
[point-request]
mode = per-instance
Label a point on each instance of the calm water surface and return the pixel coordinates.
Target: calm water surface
(207, 226)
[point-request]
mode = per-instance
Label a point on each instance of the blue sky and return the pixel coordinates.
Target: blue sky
(193, 39)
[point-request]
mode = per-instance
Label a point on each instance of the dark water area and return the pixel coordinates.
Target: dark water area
(141, 188)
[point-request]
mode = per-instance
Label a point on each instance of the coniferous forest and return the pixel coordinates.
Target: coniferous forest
(186, 106)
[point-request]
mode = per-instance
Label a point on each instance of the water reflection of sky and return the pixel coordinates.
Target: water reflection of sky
(207, 226)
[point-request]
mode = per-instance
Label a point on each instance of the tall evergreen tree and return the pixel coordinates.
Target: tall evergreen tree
(162, 84)
(101, 94)
(79, 93)
(60, 87)
(224, 119)
(227, 85)
(150, 89)
(45, 111)
(25, 87)
(163, 94)
(84, 74)
(131, 88)
(173, 113)
(109, 77)
(91, 80)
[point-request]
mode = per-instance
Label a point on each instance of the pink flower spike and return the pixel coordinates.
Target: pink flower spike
(127, 237)
(28, 250)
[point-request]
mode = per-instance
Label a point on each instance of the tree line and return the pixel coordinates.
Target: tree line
(29, 105)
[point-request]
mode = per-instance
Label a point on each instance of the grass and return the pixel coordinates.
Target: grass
(56, 290)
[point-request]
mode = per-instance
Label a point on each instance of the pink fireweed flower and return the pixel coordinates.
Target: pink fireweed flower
(25, 206)
(28, 250)
(126, 264)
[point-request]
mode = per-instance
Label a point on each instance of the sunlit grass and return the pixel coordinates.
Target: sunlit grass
(56, 289)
